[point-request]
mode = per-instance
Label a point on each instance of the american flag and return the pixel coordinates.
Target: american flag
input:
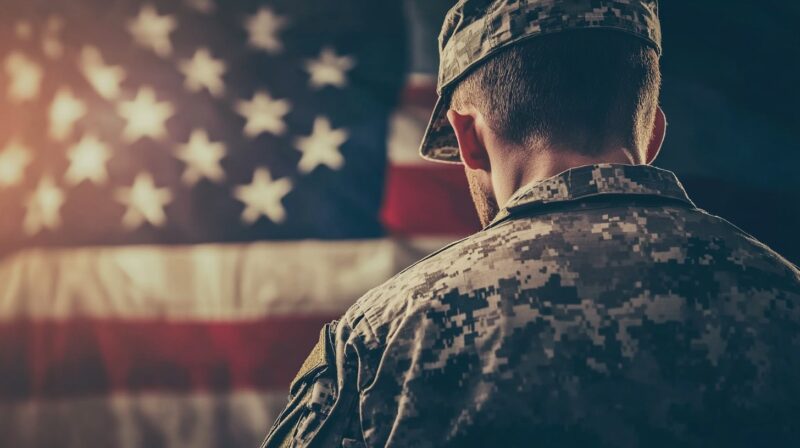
(188, 191)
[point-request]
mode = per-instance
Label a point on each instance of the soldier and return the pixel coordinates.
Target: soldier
(598, 306)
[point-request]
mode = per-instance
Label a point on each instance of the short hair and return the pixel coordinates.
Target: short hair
(581, 90)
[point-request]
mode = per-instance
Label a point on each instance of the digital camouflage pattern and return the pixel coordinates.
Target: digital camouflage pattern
(601, 308)
(474, 30)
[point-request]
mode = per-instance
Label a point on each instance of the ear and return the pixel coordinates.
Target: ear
(659, 132)
(470, 144)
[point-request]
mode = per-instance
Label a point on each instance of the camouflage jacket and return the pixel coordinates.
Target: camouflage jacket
(601, 308)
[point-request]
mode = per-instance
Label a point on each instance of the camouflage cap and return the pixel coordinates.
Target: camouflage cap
(474, 30)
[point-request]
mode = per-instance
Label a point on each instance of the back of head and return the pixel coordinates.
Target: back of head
(584, 91)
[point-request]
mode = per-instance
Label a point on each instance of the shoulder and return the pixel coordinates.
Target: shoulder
(473, 267)
(581, 255)
(724, 244)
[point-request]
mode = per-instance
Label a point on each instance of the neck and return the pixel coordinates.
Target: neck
(547, 164)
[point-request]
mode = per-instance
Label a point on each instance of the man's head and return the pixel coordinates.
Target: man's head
(531, 84)
(584, 95)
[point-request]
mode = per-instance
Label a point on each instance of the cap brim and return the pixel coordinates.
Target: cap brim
(439, 143)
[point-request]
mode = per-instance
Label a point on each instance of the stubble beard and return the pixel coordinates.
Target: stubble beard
(483, 197)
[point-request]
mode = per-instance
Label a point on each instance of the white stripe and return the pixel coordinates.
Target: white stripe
(153, 420)
(407, 126)
(421, 79)
(202, 282)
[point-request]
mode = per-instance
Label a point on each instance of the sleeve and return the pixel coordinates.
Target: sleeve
(323, 399)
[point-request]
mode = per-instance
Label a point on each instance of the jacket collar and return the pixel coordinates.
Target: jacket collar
(595, 180)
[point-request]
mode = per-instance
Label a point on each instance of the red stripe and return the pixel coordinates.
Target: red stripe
(428, 199)
(422, 95)
(56, 359)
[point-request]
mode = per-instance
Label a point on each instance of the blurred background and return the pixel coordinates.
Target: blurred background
(189, 189)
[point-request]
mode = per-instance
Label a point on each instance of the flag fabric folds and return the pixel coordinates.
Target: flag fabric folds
(188, 191)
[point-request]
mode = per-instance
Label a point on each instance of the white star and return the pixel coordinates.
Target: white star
(23, 30)
(145, 202)
(263, 196)
(203, 71)
(321, 147)
(13, 160)
(263, 114)
(329, 69)
(43, 207)
(105, 79)
(65, 111)
(145, 116)
(263, 28)
(202, 158)
(51, 45)
(151, 30)
(88, 161)
(203, 6)
(25, 77)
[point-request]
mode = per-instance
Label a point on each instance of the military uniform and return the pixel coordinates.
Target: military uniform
(600, 308)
